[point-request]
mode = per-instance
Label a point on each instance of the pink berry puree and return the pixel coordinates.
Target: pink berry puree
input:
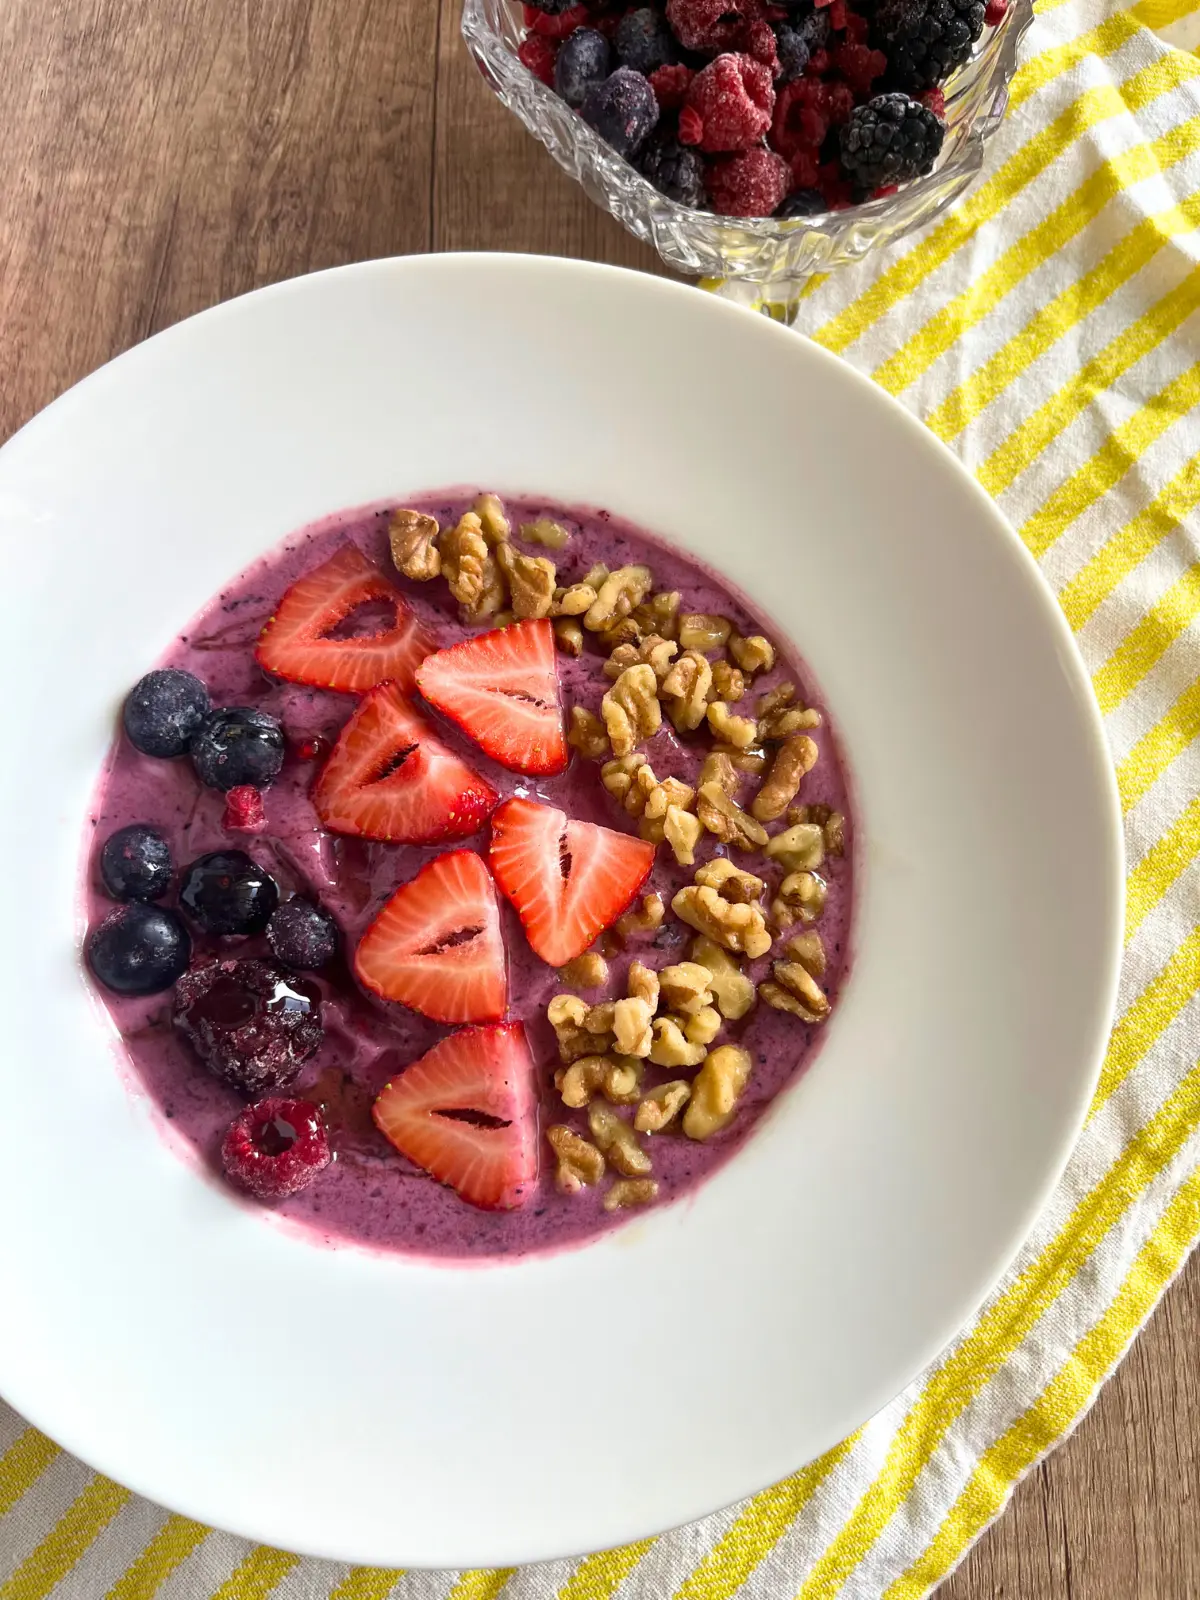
(370, 1194)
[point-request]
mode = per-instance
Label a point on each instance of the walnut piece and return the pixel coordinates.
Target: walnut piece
(796, 990)
(552, 535)
(754, 654)
(653, 650)
(728, 681)
(575, 1027)
(470, 568)
(642, 920)
(588, 971)
(778, 716)
(617, 1078)
(704, 1027)
(617, 1140)
(685, 691)
(623, 631)
(489, 508)
(630, 1192)
(731, 882)
(585, 733)
(809, 950)
(661, 1106)
(740, 732)
(672, 1047)
(568, 636)
(718, 769)
(682, 830)
(698, 630)
(631, 1026)
(796, 757)
(575, 600)
(832, 824)
(685, 987)
(579, 1162)
(530, 581)
(412, 536)
(740, 928)
(631, 710)
(731, 989)
(642, 983)
(724, 818)
(800, 897)
(800, 848)
(715, 1091)
(659, 614)
(616, 597)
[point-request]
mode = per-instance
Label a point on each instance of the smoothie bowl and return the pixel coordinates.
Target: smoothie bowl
(691, 997)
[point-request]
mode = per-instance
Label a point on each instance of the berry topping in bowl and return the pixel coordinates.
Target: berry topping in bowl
(302, 935)
(139, 949)
(252, 1024)
(225, 892)
(135, 863)
(238, 747)
(276, 1148)
(163, 710)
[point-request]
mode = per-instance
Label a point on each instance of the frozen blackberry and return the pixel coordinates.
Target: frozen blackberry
(674, 170)
(252, 1024)
(925, 40)
(622, 110)
(581, 61)
(796, 41)
(645, 42)
(802, 203)
(889, 140)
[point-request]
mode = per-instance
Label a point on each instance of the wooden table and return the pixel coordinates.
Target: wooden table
(161, 155)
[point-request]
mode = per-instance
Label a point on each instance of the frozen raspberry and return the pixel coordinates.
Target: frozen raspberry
(818, 64)
(802, 115)
(711, 25)
(806, 169)
(243, 809)
(622, 109)
(645, 42)
(276, 1148)
(857, 28)
(538, 55)
(748, 185)
(760, 43)
(995, 12)
(251, 1023)
(670, 85)
(582, 60)
(935, 99)
(837, 15)
(315, 746)
(860, 67)
(728, 106)
(561, 26)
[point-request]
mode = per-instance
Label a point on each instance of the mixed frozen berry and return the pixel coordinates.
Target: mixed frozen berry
(164, 710)
(251, 1023)
(135, 863)
(276, 1148)
(714, 76)
(139, 949)
(238, 746)
(302, 935)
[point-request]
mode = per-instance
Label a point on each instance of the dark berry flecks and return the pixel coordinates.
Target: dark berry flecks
(925, 40)
(135, 863)
(582, 60)
(163, 710)
(622, 109)
(238, 745)
(276, 1148)
(645, 42)
(139, 949)
(675, 170)
(225, 892)
(252, 1024)
(302, 935)
(889, 140)
(802, 203)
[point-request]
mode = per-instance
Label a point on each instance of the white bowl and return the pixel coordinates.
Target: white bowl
(375, 1409)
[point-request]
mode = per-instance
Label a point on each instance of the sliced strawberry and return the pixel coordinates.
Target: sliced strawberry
(436, 946)
(391, 777)
(295, 645)
(467, 1113)
(502, 690)
(567, 880)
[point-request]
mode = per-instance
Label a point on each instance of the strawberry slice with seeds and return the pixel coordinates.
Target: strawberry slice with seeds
(390, 777)
(295, 643)
(436, 946)
(501, 688)
(467, 1113)
(567, 879)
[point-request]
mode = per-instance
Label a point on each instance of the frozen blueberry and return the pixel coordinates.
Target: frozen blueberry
(135, 863)
(228, 893)
(582, 60)
(645, 42)
(249, 1022)
(302, 935)
(802, 203)
(238, 745)
(622, 109)
(139, 949)
(163, 711)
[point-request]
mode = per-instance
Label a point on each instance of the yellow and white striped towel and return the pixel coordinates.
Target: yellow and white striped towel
(1048, 329)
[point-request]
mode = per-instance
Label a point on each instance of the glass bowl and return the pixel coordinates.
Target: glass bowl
(761, 260)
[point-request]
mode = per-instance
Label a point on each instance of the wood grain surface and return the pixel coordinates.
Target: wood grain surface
(161, 155)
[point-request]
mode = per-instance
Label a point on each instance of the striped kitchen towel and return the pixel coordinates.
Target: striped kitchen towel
(1047, 330)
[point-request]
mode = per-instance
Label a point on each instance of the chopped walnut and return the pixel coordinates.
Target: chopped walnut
(740, 732)
(588, 971)
(754, 654)
(470, 569)
(724, 818)
(599, 1018)
(731, 882)
(661, 1106)
(740, 928)
(809, 950)
(617, 1140)
(732, 990)
(585, 733)
(700, 631)
(631, 1026)
(552, 535)
(621, 1082)
(685, 691)
(685, 987)
(503, 619)
(579, 1162)
(575, 600)
(642, 920)
(832, 824)
(630, 1192)
(595, 575)
(630, 780)
(718, 769)
(682, 830)
(617, 1078)
(672, 1047)
(530, 581)
(796, 757)
(616, 597)
(624, 631)
(800, 848)
(752, 760)
(800, 897)
(778, 717)
(796, 990)
(704, 1027)
(412, 536)
(568, 636)
(570, 1017)
(659, 614)
(642, 983)
(715, 1091)
(489, 508)
(729, 682)
(631, 710)
(654, 651)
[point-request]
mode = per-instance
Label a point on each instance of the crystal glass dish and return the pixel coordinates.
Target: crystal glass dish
(762, 259)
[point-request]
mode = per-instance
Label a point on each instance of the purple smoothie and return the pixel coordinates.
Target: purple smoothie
(371, 1195)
